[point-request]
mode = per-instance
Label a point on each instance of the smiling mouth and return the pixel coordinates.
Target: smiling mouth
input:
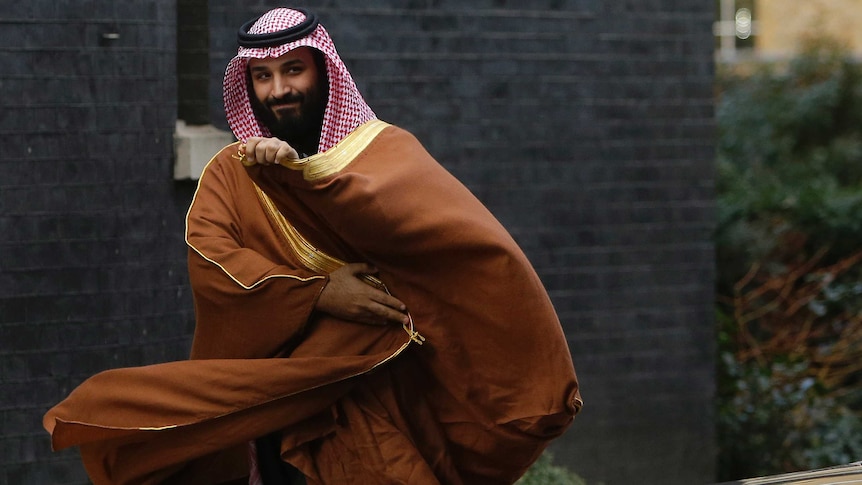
(283, 109)
(288, 105)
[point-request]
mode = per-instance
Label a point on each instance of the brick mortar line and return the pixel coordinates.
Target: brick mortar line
(497, 13)
(92, 48)
(86, 21)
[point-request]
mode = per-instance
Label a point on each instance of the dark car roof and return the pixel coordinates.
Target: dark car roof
(850, 474)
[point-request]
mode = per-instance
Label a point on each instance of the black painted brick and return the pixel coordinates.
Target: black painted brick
(585, 125)
(90, 219)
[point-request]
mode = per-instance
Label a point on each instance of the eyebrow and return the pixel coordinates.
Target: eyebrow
(283, 64)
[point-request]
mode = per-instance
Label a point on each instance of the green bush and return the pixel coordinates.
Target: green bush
(789, 264)
(544, 472)
(789, 153)
(776, 418)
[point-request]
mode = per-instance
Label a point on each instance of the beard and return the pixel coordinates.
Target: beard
(299, 127)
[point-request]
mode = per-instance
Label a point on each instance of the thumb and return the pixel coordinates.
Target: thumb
(361, 268)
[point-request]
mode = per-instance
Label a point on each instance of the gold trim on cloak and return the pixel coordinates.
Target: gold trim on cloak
(334, 160)
(319, 166)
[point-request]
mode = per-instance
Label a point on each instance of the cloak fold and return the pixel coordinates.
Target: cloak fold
(477, 403)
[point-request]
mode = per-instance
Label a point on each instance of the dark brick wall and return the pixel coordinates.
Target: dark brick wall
(193, 76)
(92, 260)
(585, 125)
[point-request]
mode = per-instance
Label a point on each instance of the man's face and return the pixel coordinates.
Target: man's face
(288, 92)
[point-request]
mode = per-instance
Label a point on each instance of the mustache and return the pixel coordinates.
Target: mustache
(288, 98)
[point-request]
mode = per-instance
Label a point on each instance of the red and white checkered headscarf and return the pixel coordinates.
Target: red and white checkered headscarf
(346, 109)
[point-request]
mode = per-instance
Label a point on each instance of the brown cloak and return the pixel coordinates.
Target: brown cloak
(477, 403)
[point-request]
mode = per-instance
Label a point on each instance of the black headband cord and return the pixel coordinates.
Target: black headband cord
(281, 37)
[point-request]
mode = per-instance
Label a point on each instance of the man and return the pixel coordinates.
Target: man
(361, 317)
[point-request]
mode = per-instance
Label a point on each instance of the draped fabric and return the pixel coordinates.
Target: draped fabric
(477, 403)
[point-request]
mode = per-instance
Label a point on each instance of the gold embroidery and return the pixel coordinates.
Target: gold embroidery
(318, 261)
(310, 257)
(334, 160)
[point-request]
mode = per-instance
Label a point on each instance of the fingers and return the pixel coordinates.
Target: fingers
(376, 294)
(373, 313)
(348, 297)
(387, 300)
(385, 308)
(375, 306)
(285, 152)
(359, 268)
(385, 315)
(268, 151)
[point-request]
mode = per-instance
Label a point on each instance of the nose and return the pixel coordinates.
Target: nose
(281, 86)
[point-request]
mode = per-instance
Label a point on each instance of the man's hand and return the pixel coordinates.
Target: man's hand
(268, 151)
(347, 297)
